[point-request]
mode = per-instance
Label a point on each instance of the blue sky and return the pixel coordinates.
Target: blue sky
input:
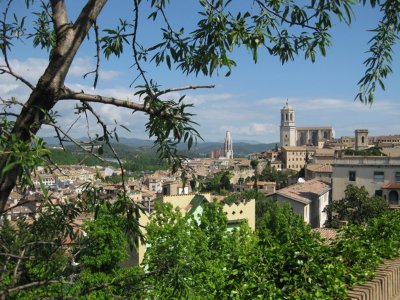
(248, 102)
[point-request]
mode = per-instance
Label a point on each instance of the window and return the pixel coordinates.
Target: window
(397, 176)
(379, 176)
(352, 175)
(378, 193)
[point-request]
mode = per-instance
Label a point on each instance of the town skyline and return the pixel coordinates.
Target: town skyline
(248, 102)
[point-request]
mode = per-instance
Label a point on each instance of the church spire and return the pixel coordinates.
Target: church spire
(228, 146)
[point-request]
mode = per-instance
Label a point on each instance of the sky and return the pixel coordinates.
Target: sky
(248, 102)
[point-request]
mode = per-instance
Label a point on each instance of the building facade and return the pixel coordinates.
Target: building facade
(308, 199)
(296, 157)
(380, 175)
(313, 135)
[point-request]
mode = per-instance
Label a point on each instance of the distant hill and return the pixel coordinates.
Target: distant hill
(202, 149)
(239, 149)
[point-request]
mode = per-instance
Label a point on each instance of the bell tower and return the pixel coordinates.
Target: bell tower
(288, 127)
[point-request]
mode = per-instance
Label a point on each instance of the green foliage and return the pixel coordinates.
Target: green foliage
(48, 257)
(373, 151)
(378, 64)
(62, 157)
(299, 264)
(268, 25)
(280, 177)
(193, 257)
(145, 161)
(357, 207)
(219, 183)
(33, 252)
(21, 154)
(99, 251)
(187, 259)
(254, 163)
(169, 132)
(362, 248)
(44, 35)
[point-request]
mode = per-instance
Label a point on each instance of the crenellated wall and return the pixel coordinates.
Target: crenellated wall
(241, 211)
(385, 285)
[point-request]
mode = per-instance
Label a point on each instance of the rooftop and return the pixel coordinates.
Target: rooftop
(305, 192)
(324, 168)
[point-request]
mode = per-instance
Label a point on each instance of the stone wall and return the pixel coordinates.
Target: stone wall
(385, 285)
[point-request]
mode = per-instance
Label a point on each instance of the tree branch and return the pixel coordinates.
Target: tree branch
(60, 17)
(135, 52)
(31, 284)
(13, 255)
(74, 141)
(189, 87)
(71, 95)
(106, 133)
(97, 42)
(7, 68)
(10, 72)
(15, 273)
(284, 20)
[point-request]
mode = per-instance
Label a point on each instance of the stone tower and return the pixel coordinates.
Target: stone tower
(228, 146)
(288, 127)
(361, 141)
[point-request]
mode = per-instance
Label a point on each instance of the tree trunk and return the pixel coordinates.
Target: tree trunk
(50, 86)
(41, 100)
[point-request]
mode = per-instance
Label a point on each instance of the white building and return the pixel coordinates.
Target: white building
(308, 199)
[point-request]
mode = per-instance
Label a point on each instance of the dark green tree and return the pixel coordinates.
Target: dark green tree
(219, 183)
(357, 207)
(254, 164)
(279, 176)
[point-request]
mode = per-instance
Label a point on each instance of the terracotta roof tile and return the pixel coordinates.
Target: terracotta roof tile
(325, 168)
(392, 186)
(305, 192)
(328, 234)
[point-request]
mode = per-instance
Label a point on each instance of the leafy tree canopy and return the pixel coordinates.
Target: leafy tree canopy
(279, 176)
(373, 151)
(357, 207)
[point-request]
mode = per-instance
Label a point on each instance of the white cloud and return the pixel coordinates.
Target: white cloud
(84, 65)
(30, 69)
(253, 129)
(8, 88)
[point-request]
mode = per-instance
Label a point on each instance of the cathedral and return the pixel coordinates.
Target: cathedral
(290, 135)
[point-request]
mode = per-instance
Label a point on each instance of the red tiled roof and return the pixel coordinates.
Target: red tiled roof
(328, 234)
(305, 192)
(323, 168)
(391, 186)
